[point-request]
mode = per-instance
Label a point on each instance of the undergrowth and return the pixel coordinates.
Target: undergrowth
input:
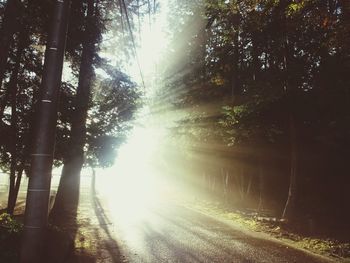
(10, 231)
(278, 229)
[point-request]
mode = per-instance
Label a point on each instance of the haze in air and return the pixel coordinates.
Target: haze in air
(174, 131)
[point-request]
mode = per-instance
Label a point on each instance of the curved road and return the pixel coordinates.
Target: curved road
(173, 233)
(117, 229)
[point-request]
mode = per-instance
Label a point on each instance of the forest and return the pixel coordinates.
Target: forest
(266, 86)
(256, 92)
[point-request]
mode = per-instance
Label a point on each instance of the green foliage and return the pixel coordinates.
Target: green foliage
(112, 114)
(288, 60)
(253, 72)
(10, 231)
(115, 102)
(11, 225)
(294, 8)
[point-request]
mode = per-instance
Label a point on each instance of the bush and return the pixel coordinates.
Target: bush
(10, 231)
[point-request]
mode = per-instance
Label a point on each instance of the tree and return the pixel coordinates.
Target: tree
(68, 191)
(18, 94)
(42, 157)
(104, 133)
(16, 166)
(32, 31)
(10, 24)
(286, 93)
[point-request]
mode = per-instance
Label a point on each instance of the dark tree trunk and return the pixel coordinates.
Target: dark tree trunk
(37, 202)
(68, 191)
(235, 62)
(12, 88)
(261, 178)
(12, 202)
(9, 27)
(13, 165)
(289, 209)
(255, 52)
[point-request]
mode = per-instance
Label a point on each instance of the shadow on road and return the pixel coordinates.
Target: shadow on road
(82, 232)
(62, 231)
(64, 223)
(109, 243)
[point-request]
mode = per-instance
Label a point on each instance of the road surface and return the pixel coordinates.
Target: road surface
(119, 230)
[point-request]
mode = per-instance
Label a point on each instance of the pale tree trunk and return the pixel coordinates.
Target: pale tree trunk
(93, 181)
(225, 183)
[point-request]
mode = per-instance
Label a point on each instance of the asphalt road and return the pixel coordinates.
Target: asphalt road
(117, 228)
(170, 232)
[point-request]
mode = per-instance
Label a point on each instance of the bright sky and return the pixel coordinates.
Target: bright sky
(153, 42)
(134, 172)
(150, 41)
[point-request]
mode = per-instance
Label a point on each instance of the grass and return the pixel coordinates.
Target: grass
(327, 247)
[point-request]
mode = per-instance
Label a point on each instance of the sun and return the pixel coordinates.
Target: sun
(151, 41)
(133, 179)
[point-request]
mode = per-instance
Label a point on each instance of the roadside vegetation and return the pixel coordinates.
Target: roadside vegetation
(338, 250)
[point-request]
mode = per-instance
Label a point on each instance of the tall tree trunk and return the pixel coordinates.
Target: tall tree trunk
(9, 27)
(13, 167)
(261, 183)
(93, 181)
(12, 87)
(289, 211)
(37, 202)
(235, 62)
(12, 203)
(255, 54)
(68, 191)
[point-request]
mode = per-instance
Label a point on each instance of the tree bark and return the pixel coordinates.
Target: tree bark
(235, 62)
(261, 183)
(68, 191)
(13, 168)
(12, 87)
(37, 202)
(289, 209)
(93, 181)
(256, 62)
(12, 202)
